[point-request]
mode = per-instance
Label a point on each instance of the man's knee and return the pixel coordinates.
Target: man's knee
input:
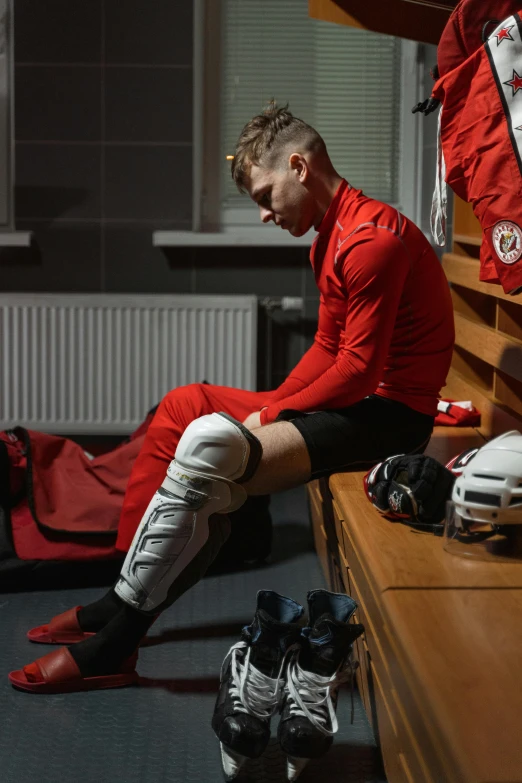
(214, 455)
(219, 445)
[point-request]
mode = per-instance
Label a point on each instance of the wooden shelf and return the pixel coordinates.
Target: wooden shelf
(464, 271)
(467, 239)
(465, 223)
(495, 348)
(497, 415)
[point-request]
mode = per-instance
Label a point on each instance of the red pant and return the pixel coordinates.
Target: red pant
(175, 412)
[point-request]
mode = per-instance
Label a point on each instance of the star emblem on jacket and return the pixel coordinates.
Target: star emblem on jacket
(515, 82)
(504, 34)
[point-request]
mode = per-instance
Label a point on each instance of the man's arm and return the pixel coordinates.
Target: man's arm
(374, 270)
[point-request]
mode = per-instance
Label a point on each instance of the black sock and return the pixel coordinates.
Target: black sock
(95, 616)
(105, 652)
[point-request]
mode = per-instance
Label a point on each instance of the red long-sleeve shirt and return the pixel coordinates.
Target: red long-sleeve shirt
(385, 314)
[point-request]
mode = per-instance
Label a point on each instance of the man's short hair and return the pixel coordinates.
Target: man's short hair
(265, 137)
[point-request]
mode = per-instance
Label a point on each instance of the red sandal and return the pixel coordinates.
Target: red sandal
(58, 672)
(62, 629)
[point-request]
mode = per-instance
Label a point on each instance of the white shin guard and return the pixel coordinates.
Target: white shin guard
(214, 453)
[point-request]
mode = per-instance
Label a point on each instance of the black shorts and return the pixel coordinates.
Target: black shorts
(357, 437)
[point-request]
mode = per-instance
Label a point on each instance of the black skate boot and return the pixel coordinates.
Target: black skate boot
(314, 674)
(252, 680)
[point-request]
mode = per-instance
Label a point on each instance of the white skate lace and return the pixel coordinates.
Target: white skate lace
(252, 691)
(310, 695)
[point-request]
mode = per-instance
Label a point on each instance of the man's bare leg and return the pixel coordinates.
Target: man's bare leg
(285, 462)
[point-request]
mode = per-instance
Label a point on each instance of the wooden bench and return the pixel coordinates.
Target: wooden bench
(441, 655)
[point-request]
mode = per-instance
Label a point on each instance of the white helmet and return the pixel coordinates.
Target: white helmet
(486, 502)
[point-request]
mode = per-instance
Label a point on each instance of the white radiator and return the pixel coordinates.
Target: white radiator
(96, 363)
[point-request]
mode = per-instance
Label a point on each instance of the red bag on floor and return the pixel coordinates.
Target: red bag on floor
(63, 504)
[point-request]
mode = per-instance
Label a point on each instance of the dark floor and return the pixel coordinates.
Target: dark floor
(161, 731)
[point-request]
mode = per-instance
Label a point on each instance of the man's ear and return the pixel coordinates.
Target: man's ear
(298, 163)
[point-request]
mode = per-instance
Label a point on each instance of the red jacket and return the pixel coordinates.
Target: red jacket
(481, 131)
(385, 315)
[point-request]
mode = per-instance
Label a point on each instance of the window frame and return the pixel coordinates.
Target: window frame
(207, 212)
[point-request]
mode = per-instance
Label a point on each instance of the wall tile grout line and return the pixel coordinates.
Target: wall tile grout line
(164, 223)
(172, 66)
(103, 143)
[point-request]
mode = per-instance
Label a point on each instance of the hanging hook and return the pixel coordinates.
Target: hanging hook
(485, 27)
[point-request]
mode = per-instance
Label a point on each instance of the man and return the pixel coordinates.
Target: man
(366, 389)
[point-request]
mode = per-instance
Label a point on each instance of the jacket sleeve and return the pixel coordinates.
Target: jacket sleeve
(373, 270)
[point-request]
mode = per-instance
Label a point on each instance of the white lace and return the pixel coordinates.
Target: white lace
(310, 695)
(439, 203)
(252, 691)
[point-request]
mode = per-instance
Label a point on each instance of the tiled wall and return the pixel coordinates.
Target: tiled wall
(104, 156)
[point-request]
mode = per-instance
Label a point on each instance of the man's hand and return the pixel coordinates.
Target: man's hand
(253, 420)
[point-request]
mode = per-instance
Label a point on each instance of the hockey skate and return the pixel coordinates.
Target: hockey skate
(314, 674)
(252, 680)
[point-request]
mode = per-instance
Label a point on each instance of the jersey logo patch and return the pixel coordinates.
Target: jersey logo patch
(507, 241)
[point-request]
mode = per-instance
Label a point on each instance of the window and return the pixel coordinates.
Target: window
(355, 87)
(6, 152)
